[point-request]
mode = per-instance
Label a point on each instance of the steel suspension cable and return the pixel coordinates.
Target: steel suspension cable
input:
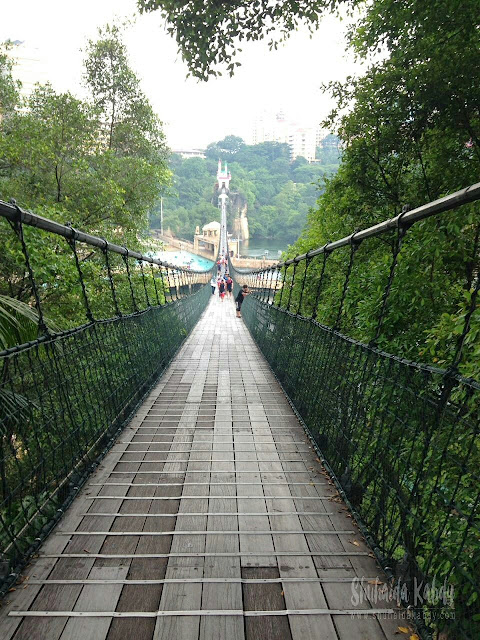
(73, 245)
(354, 244)
(125, 260)
(155, 284)
(283, 284)
(295, 265)
(110, 279)
(18, 228)
(400, 235)
(320, 284)
(144, 284)
(302, 289)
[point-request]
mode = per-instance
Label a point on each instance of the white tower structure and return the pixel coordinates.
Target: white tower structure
(223, 182)
(223, 177)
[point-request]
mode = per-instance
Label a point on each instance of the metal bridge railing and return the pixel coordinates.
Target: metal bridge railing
(401, 439)
(65, 394)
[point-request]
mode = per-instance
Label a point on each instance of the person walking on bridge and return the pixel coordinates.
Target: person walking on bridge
(229, 283)
(221, 288)
(213, 284)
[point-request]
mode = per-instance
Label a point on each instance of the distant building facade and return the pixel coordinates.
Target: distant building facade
(207, 242)
(302, 141)
(271, 128)
(190, 153)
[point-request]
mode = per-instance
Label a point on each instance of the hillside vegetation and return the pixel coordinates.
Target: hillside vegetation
(277, 193)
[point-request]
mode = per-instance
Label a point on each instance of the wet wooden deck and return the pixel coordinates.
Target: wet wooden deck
(211, 518)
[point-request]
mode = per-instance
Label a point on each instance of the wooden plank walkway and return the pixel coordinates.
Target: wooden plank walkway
(211, 518)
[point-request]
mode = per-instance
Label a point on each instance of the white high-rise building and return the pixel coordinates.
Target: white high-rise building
(302, 141)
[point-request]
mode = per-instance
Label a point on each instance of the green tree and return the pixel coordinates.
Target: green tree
(111, 81)
(134, 156)
(329, 152)
(49, 145)
(230, 145)
(260, 173)
(208, 32)
(56, 159)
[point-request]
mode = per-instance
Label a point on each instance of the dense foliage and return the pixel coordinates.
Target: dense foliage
(98, 164)
(411, 136)
(275, 192)
(209, 32)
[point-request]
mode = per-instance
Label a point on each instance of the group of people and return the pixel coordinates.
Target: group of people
(224, 284)
(222, 262)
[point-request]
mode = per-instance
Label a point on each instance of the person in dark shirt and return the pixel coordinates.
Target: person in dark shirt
(239, 299)
(221, 288)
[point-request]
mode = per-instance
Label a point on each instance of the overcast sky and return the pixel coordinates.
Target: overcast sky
(194, 113)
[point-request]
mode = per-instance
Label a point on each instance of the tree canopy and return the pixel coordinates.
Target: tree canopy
(209, 32)
(410, 132)
(98, 164)
(9, 88)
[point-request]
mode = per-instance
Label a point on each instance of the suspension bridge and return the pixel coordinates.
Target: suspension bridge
(171, 471)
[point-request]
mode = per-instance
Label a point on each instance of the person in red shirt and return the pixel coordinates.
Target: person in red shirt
(229, 283)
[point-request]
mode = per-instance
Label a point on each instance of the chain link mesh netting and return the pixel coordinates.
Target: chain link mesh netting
(64, 396)
(402, 439)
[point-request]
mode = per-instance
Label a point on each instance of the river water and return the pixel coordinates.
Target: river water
(256, 248)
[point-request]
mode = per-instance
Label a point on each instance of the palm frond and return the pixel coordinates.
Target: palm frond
(18, 322)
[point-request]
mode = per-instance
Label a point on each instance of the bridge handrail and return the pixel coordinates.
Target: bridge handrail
(11, 211)
(406, 218)
(400, 438)
(66, 394)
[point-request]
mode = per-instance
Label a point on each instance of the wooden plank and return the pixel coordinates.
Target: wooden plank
(297, 595)
(175, 596)
(146, 597)
(339, 596)
(54, 596)
(355, 567)
(44, 568)
(226, 596)
(251, 543)
(261, 597)
(96, 598)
